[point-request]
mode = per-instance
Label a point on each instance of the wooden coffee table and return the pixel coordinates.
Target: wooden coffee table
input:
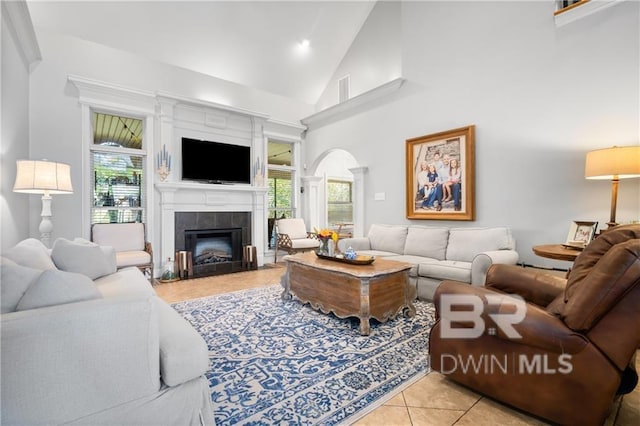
(380, 290)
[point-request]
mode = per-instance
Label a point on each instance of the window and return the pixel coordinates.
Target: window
(279, 194)
(339, 202)
(117, 169)
(568, 11)
(344, 89)
(564, 5)
(280, 175)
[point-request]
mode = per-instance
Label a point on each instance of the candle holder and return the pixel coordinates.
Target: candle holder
(163, 172)
(163, 164)
(258, 173)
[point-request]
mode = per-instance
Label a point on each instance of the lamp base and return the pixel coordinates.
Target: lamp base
(45, 228)
(614, 202)
(46, 225)
(610, 226)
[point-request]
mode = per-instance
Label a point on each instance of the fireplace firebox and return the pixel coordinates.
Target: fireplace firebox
(214, 245)
(215, 240)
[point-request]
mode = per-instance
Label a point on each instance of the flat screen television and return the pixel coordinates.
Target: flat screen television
(215, 162)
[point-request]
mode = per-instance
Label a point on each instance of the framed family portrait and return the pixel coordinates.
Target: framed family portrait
(581, 233)
(440, 172)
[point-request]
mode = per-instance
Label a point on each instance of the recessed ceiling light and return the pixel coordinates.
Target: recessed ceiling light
(302, 47)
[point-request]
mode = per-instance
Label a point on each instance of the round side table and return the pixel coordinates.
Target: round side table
(556, 252)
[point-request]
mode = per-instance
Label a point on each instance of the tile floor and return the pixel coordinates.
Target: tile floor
(433, 400)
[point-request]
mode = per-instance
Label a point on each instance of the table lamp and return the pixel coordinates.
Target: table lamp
(43, 177)
(618, 162)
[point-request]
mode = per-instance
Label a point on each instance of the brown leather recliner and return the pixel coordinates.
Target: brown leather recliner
(578, 336)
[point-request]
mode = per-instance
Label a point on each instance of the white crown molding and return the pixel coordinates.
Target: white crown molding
(353, 105)
(583, 10)
(209, 104)
(97, 92)
(20, 20)
(113, 96)
(102, 86)
(296, 126)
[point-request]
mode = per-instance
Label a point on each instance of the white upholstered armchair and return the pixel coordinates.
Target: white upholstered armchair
(129, 242)
(292, 237)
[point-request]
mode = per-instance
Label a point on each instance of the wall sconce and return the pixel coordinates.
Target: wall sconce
(43, 177)
(258, 173)
(618, 162)
(163, 163)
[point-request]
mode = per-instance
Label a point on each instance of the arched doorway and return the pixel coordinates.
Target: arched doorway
(337, 190)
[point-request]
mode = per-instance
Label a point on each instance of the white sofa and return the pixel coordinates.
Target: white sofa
(84, 344)
(438, 253)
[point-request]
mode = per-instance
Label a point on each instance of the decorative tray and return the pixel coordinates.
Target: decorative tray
(359, 260)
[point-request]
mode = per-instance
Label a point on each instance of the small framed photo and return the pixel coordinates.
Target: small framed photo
(581, 234)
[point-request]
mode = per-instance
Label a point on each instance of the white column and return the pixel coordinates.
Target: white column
(168, 226)
(165, 233)
(358, 200)
(165, 138)
(259, 172)
(259, 224)
(259, 153)
(313, 207)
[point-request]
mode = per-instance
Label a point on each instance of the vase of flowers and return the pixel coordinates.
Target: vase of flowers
(325, 236)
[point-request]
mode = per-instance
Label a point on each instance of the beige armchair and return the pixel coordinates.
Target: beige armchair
(129, 242)
(292, 237)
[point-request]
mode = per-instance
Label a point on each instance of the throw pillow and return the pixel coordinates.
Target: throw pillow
(109, 252)
(31, 253)
(56, 288)
(7, 261)
(389, 238)
(427, 242)
(294, 228)
(83, 257)
(466, 243)
(14, 282)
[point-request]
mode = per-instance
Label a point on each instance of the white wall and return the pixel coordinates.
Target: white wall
(375, 57)
(540, 97)
(55, 115)
(14, 145)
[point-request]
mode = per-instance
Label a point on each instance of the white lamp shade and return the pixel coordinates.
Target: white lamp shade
(619, 162)
(40, 177)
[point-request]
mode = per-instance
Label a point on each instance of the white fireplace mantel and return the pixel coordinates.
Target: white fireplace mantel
(165, 187)
(202, 197)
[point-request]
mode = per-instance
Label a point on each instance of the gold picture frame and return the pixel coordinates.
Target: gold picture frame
(450, 196)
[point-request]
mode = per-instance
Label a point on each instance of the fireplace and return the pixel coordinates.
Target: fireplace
(215, 240)
(214, 245)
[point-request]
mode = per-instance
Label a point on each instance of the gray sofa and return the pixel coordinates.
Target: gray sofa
(438, 253)
(83, 343)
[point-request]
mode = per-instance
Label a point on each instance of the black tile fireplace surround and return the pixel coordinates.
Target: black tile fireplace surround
(235, 224)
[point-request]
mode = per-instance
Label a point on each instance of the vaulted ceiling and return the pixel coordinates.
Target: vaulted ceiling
(253, 43)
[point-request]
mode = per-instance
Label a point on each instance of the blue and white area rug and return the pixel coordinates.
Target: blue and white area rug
(280, 362)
